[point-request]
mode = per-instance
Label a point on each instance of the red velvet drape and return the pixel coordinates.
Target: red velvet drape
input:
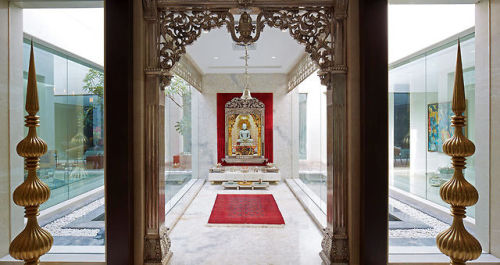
(267, 99)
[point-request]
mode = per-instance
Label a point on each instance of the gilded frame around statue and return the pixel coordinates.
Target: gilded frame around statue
(254, 109)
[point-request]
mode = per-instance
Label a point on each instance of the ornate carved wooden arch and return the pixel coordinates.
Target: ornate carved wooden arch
(312, 27)
(171, 25)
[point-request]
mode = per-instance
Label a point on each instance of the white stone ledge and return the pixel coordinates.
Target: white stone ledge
(67, 259)
(436, 259)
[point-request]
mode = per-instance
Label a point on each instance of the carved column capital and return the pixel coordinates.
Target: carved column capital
(150, 10)
(340, 10)
(165, 76)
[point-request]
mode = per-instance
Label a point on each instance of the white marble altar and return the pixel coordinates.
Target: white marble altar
(243, 176)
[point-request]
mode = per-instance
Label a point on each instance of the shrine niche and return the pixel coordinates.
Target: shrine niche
(244, 129)
(244, 134)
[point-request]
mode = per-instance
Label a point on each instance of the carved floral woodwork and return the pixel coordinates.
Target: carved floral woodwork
(456, 242)
(33, 241)
(312, 27)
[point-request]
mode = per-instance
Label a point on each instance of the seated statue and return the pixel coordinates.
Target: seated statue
(244, 137)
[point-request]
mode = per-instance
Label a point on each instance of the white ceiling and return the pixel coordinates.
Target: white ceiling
(275, 52)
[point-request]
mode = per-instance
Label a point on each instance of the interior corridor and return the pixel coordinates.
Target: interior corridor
(196, 242)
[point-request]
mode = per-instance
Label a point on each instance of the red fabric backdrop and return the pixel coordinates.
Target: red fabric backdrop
(267, 99)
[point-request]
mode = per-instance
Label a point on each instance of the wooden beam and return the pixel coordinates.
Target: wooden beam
(234, 3)
(118, 97)
(374, 131)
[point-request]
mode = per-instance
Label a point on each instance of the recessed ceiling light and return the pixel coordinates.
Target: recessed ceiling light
(273, 57)
(216, 58)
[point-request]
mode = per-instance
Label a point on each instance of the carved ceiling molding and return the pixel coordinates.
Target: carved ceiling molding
(303, 69)
(311, 26)
(188, 71)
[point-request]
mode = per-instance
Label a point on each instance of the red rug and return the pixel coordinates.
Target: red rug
(245, 209)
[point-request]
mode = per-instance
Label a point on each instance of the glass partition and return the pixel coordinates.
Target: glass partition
(70, 93)
(71, 114)
(180, 126)
(312, 139)
(420, 94)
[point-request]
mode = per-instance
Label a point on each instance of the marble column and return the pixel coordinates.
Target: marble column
(156, 241)
(335, 244)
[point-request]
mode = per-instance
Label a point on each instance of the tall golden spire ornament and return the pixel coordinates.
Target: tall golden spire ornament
(456, 242)
(33, 241)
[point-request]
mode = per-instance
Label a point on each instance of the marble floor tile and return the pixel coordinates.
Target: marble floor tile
(194, 242)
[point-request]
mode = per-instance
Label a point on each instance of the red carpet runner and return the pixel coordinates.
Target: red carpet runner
(245, 209)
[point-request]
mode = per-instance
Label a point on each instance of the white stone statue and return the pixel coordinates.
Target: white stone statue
(244, 136)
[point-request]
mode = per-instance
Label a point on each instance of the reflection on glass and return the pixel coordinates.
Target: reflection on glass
(312, 139)
(71, 113)
(420, 105)
(420, 94)
(72, 120)
(179, 109)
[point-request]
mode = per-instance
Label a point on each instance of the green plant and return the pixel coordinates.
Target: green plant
(93, 84)
(181, 89)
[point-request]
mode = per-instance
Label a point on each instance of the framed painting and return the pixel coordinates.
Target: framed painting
(439, 127)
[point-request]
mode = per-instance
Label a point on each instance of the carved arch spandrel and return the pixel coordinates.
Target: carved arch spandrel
(313, 27)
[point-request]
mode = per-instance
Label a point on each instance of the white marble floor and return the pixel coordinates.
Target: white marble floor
(194, 242)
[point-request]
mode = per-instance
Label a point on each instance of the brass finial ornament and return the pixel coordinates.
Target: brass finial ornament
(33, 241)
(456, 242)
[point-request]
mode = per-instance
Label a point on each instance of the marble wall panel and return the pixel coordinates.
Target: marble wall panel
(11, 121)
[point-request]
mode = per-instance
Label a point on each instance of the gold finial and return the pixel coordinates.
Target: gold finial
(33, 241)
(456, 242)
(32, 91)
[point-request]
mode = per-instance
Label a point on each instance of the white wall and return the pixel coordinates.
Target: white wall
(232, 83)
(11, 121)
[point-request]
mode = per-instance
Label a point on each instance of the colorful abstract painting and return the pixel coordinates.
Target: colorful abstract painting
(439, 125)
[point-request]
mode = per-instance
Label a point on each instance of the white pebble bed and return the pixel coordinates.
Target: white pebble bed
(436, 225)
(56, 227)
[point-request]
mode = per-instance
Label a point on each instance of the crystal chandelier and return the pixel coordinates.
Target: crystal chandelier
(246, 91)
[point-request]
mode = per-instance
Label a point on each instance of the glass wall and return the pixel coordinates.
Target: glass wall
(420, 93)
(312, 139)
(71, 113)
(180, 126)
(70, 93)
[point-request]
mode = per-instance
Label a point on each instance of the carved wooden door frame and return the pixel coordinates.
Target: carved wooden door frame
(171, 25)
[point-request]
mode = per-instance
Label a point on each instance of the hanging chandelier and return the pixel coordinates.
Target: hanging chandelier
(246, 91)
